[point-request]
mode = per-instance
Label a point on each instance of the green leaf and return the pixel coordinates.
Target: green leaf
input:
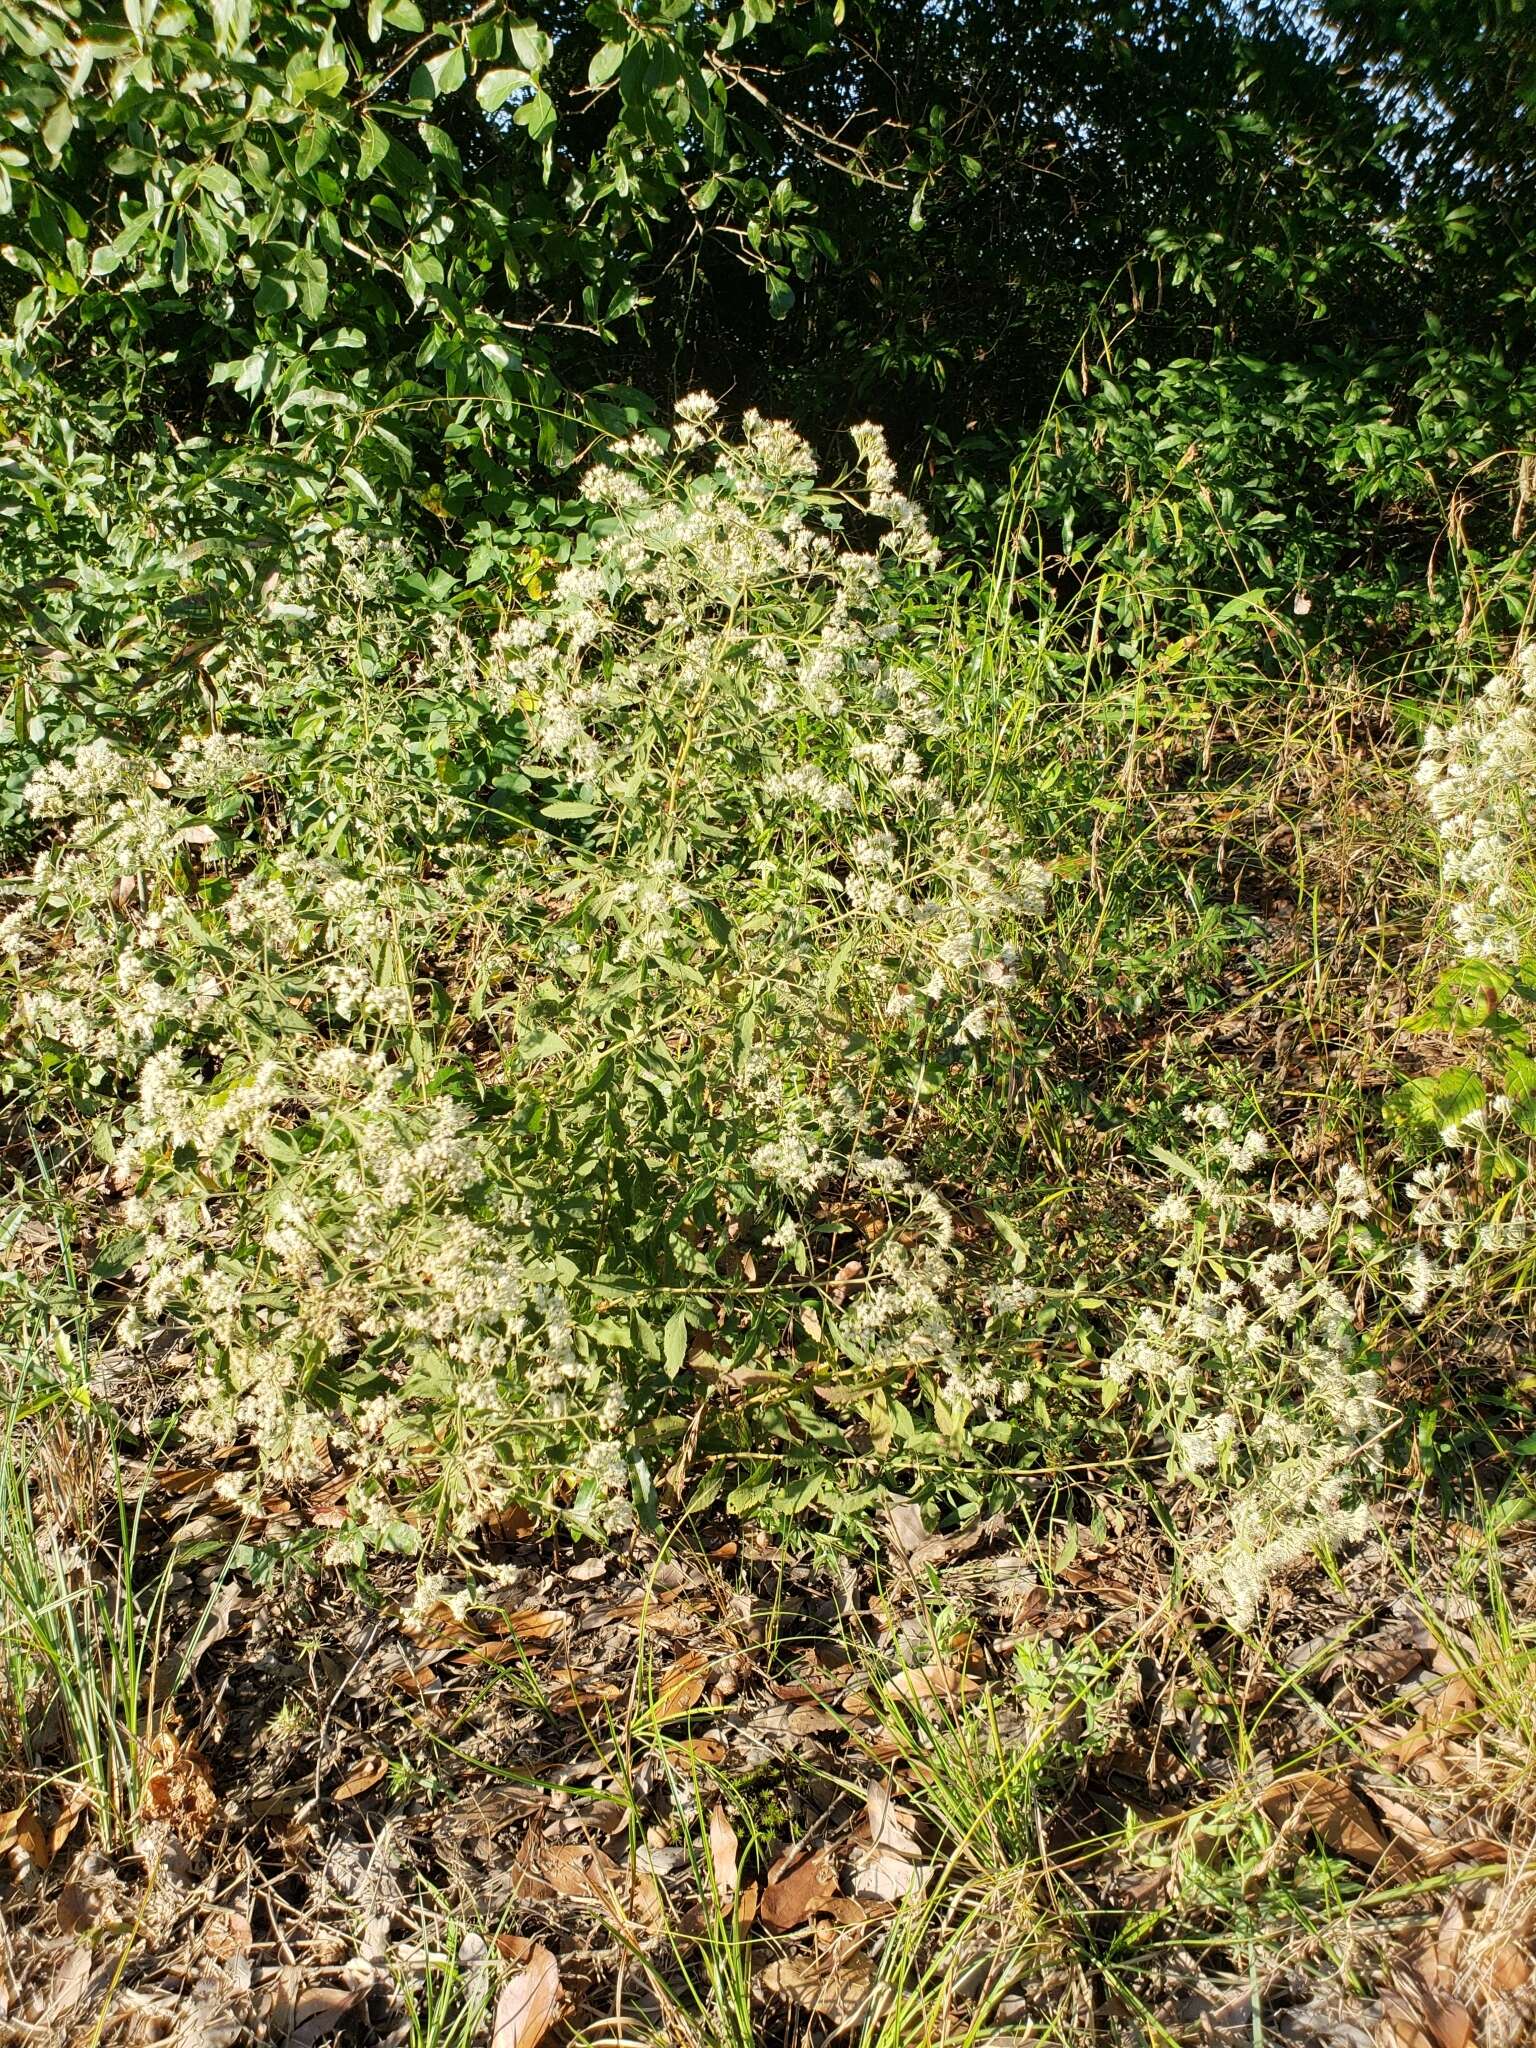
(542, 1045)
(568, 808)
(307, 81)
(646, 1500)
(447, 69)
(58, 126)
(605, 63)
(440, 144)
(674, 1343)
(313, 284)
(537, 115)
(275, 295)
(361, 485)
(497, 87)
(1430, 1102)
(372, 150)
(531, 44)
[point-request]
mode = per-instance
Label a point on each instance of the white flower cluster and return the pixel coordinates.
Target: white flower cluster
(376, 1247)
(1251, 1364)
(297, 1205)
(1478, 777)
(887, 501)
(1454, 1223)
(84, 784)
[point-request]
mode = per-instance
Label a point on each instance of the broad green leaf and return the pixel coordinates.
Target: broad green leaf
(531, 44)
(537, 115)
(447, 69)
(373, 148)
(309, 82)
(495, 88)
(58, 126)
(605, 63)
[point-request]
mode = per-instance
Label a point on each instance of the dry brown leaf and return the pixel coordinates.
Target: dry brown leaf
(1386, 1663)
(815, 1984)
(723, 1851)
(892, 1826)
(673, 1622)
(533, 1625)
(211, 1627)
(1453, 1701)
(530, 1628)
(573, 1870)
(20, 1829)
(301, 2017)
(177, 1787)
(681, 1687)
(226, 1933)
(577, 1870)
(705, 1749)
(802, 1719)
(527, 2003)
(75, 1808)
(933, 1682)
(513, 1525)
(1447, 2019)
(576, 1692)
(1509, 1967)
(516, 1949)
(1430, 1852)
(362, 1778)
(819, 1685)
(1333, 1812)
(71, 1979)
(87, 1897)
(806, 1890)
(881, 1875)
(904, 1519)
(183, 1478)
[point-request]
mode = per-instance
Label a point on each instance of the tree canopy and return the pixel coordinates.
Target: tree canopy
(400, 256)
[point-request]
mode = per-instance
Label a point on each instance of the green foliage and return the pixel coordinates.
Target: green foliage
(371, 233)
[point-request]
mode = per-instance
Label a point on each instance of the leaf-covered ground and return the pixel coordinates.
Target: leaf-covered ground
(997, 1787)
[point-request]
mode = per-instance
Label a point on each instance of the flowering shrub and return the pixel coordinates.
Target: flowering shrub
(479, 1030)
(1474, 1200)
(1251, 1366)
(1478, 777)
